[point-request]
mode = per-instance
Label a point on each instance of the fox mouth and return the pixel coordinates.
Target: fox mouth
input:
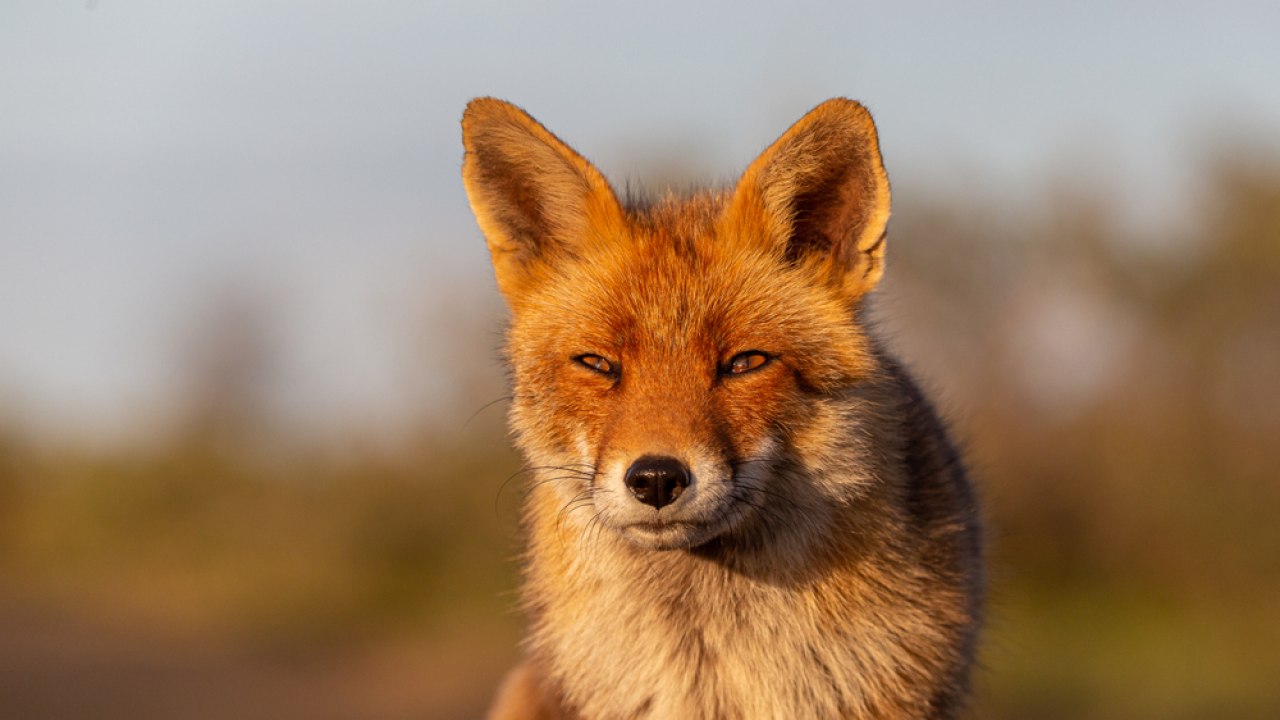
(680, 533)
(667, 535)
(662, 527)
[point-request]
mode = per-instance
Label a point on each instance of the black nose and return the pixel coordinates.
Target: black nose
(657, 481)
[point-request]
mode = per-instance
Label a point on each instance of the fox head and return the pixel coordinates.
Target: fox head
(675, 363)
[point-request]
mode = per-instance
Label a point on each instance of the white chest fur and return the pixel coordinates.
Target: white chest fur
(682, 637)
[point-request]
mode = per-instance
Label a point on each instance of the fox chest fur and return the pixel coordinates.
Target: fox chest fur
(740, 505)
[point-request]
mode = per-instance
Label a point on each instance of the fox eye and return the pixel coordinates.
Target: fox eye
(596, 362)
(745, 362)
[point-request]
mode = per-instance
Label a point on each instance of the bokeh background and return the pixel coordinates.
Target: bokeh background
(252, 455)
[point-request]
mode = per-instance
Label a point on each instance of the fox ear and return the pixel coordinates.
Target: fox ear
(823, 195)
(533, 196)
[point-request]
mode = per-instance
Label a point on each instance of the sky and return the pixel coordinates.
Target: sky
(158, 158)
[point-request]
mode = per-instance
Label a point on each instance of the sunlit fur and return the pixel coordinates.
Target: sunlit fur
(825, 560)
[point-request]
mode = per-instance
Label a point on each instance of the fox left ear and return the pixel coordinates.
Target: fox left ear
(536, 200)
(822, 192)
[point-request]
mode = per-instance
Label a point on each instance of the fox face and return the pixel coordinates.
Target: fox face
(673, 362)
(673, 375)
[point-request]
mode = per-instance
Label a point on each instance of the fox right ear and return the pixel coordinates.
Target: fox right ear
(534, 198)
(822, 192)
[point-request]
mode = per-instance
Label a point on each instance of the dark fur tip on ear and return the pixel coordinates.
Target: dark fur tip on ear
(489, 111)
(481, 106)
(485, 103)
(848, 111)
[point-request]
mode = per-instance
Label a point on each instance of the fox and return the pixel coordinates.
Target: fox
(740, 505)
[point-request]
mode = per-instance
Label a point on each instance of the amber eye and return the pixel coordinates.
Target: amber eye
(745, 362)
(596, 362)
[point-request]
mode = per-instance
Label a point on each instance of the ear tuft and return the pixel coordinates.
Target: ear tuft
(534, 197)
(822, 190)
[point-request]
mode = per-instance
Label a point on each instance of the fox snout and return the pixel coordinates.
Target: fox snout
(657, 480)
(664, 497)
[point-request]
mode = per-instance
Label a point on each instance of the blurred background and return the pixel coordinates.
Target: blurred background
(252, 453)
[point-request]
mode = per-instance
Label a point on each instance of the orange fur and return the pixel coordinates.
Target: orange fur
(742, 506)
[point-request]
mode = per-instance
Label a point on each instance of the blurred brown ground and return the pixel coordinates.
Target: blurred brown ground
(1118, 391)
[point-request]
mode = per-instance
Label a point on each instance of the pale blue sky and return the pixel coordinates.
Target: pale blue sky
(152, 154)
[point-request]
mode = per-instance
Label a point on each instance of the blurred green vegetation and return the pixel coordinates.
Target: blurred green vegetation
(306, 552)
(1118, 390)
(208, 547)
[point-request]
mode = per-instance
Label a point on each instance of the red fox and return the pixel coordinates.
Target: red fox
(741, 505)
